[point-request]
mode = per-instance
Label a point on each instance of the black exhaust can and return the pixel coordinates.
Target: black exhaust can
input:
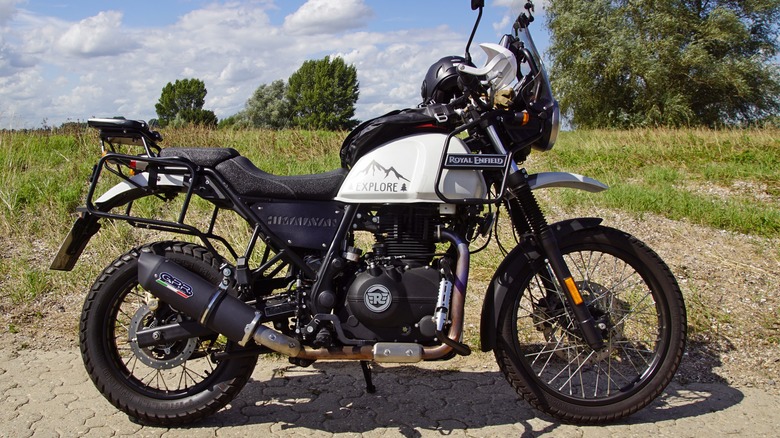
(197, 298)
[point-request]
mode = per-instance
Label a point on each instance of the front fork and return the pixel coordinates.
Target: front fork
(525, 209)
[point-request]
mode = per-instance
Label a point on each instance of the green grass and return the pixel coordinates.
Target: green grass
(723, 179)
(42, 179)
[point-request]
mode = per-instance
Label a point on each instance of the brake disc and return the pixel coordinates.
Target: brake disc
(161, 357)
(559, 329)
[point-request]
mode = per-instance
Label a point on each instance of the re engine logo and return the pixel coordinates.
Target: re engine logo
(174, 284)
(378, 298)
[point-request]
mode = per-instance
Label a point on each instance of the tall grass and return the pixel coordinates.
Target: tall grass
(288, 152)
(724, 179)
(44, 177)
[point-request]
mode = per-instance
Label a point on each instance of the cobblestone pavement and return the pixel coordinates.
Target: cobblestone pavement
(48, 393)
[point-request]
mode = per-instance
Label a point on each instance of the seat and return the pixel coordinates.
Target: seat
(250, 181)
(206, 157)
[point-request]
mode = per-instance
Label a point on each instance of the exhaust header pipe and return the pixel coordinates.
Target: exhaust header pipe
(208, 304)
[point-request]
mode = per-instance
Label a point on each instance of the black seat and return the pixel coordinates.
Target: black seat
(250, 181)
(206, 157)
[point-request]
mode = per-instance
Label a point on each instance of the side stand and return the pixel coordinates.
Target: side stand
(370, 388)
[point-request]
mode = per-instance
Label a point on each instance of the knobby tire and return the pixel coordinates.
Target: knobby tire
(631, 291)
(162, 385)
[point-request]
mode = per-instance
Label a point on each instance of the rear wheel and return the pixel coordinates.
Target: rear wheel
(168, 384)
(635, 301)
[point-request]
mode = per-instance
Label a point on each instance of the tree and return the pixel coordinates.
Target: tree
(232, 122)
(621, 63)
(268, 107)
(322, 94)
(182, 102)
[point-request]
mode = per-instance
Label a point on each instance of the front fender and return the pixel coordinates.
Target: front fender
(545, 180)
(523, 254)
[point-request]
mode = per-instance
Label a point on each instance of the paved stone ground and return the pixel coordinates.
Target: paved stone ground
(48, 393)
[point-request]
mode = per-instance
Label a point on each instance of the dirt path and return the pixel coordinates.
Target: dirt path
(48, 393)
(727, 382)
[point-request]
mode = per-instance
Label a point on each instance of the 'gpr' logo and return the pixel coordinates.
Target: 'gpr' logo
(174, 284)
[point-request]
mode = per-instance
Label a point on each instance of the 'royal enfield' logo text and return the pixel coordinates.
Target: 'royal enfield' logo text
(318, 222)
(474, 161)
(378, 298)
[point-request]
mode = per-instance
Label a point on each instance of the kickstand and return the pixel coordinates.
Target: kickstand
(364, 364)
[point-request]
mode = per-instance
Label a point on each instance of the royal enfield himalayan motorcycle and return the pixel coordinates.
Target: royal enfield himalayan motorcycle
(586, 322)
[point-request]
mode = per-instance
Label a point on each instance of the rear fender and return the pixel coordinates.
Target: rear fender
(138, 187)
(87, 224)
(524, 254)
(82, 231)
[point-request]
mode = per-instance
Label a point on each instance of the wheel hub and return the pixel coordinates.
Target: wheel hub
(559, 330)
(161, 357)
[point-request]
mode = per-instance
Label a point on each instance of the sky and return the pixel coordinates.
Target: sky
(63, 60)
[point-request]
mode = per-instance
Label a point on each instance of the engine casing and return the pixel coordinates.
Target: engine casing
(392, 303)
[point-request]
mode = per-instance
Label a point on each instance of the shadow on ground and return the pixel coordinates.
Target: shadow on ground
(331, 397)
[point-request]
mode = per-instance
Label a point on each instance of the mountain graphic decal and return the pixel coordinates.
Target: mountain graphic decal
(375, 168)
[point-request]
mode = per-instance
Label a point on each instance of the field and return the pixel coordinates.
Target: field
(707, 201)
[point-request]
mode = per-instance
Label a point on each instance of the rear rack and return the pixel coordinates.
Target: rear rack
(157, 172)
(126, 132)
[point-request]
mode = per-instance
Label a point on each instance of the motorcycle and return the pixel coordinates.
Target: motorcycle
(585, 321)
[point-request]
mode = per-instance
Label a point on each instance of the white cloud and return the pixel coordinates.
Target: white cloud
(327, 17)
(100, 35)
(504, 24)
(7, 10)
(99, 66)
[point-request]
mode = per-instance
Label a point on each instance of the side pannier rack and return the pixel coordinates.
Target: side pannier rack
(147, 174)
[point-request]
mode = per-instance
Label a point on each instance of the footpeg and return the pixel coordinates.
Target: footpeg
(324, 339)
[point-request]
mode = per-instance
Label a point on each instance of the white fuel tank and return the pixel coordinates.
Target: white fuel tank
(404, 171)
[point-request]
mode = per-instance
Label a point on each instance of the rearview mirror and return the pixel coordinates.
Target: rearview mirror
(476, 4)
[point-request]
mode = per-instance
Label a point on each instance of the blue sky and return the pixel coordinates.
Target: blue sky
(66, 60)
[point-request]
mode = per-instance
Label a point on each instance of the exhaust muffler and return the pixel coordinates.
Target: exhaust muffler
(209, 304)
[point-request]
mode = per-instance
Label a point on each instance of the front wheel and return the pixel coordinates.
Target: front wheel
(635, 301)
(169, 384)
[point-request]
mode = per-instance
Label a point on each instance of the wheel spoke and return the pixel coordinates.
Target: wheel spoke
(562, 360)
(162, 369)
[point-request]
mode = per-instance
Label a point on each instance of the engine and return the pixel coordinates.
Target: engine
(406, 233)
(393, 294)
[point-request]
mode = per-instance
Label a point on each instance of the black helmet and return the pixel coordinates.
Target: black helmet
(441, 81)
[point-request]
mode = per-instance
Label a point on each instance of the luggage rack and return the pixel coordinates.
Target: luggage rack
(126, 132)
(163, 178)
